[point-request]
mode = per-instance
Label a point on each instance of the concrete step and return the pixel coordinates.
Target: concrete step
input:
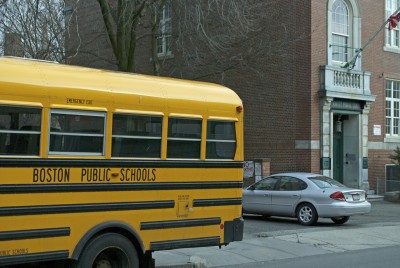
(392, 196)
(374, 197)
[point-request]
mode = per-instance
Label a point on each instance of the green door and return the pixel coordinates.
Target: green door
(337, 153)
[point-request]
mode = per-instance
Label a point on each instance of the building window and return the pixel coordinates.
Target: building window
(340, 31)
(393, 36)
(164, 36)
(392, 107)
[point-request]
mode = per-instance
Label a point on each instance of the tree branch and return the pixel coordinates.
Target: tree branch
(107, 17)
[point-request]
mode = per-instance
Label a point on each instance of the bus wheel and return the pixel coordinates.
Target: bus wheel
(109, 251)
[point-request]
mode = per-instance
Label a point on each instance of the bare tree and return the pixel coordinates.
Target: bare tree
(209, 37)
(110, 36)
(120, 21)
(33, 28)
(217, 36)
(2, 3)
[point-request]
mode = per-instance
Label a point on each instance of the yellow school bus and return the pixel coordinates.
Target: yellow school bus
(104, 168)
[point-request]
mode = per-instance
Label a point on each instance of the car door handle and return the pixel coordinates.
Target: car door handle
(266, 194)
(295, 195)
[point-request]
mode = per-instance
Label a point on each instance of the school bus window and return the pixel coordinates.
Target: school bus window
(184, 138)
(221, 140)
(136, 136)
(77, 132)
(19, 130)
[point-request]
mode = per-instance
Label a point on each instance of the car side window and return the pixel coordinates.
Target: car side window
(266, 184)
(301, 185)
(291, 184)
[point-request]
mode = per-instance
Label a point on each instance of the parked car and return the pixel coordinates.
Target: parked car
(306, 196)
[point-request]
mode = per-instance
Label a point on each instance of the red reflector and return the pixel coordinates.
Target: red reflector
(221, 226)
(338, 196)
(239, 108)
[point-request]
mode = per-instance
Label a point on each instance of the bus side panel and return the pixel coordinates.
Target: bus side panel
(48, 209)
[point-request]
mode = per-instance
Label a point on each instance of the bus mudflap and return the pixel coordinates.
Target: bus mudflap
(234, 230)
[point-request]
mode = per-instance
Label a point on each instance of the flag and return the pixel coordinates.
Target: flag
(394, 20)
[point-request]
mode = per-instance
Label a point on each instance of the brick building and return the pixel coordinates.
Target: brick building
(303, 110)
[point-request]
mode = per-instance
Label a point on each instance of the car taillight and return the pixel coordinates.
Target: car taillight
(338, 196)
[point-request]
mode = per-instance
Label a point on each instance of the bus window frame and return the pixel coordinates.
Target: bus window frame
(24, 105)
(235, 141)
(77, 112)
(185, 117)
(142, 114)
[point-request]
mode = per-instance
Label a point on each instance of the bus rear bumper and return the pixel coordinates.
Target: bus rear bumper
(233, 230)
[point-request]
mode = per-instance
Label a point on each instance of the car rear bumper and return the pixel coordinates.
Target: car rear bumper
(338, 209)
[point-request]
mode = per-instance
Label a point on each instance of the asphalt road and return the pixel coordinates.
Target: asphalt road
(382, 212)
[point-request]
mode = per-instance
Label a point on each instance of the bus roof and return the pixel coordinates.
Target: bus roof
(53, 80)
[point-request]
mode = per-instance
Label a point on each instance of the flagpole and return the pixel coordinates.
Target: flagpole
(350, 64)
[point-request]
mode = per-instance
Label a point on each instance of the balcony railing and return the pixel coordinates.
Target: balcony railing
(346, 79)
(344, 83)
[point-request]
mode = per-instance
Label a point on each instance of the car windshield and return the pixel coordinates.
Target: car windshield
(325, 182)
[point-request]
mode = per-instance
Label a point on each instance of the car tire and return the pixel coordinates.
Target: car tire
(340, 220)
(109, 250)
(306, 214)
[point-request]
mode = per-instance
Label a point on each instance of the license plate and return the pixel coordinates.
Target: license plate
(356, 197)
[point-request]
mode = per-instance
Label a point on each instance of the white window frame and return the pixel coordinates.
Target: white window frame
(77, 133)
(354, 32)
(392, 37)
(164, 37)
(344, 51)
(392, 109)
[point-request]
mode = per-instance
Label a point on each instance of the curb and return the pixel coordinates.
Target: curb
(195, 262)
(186, 265)
(372, 198)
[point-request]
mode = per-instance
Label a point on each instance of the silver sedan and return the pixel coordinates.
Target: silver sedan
(306, 196)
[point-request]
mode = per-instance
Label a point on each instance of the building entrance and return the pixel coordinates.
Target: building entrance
(346, 149)
(337, 164)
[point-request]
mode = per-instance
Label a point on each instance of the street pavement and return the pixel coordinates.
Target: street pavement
(286, 244)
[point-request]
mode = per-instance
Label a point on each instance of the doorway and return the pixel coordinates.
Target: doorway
(346, 149)
(338, 147)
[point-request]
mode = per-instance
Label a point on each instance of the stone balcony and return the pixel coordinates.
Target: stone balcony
(342, 83)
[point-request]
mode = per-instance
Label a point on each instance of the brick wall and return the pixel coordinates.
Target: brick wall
(274, 83)
(278, 76)
(382, 65)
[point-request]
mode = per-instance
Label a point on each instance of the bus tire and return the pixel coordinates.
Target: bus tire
(109, 250)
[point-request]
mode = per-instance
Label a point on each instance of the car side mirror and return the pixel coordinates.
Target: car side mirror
(251, 188)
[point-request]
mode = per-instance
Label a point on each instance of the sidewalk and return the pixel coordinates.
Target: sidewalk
(283, 245)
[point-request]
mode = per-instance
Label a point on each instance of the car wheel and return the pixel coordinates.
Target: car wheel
(306, 214)
(340, 220)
